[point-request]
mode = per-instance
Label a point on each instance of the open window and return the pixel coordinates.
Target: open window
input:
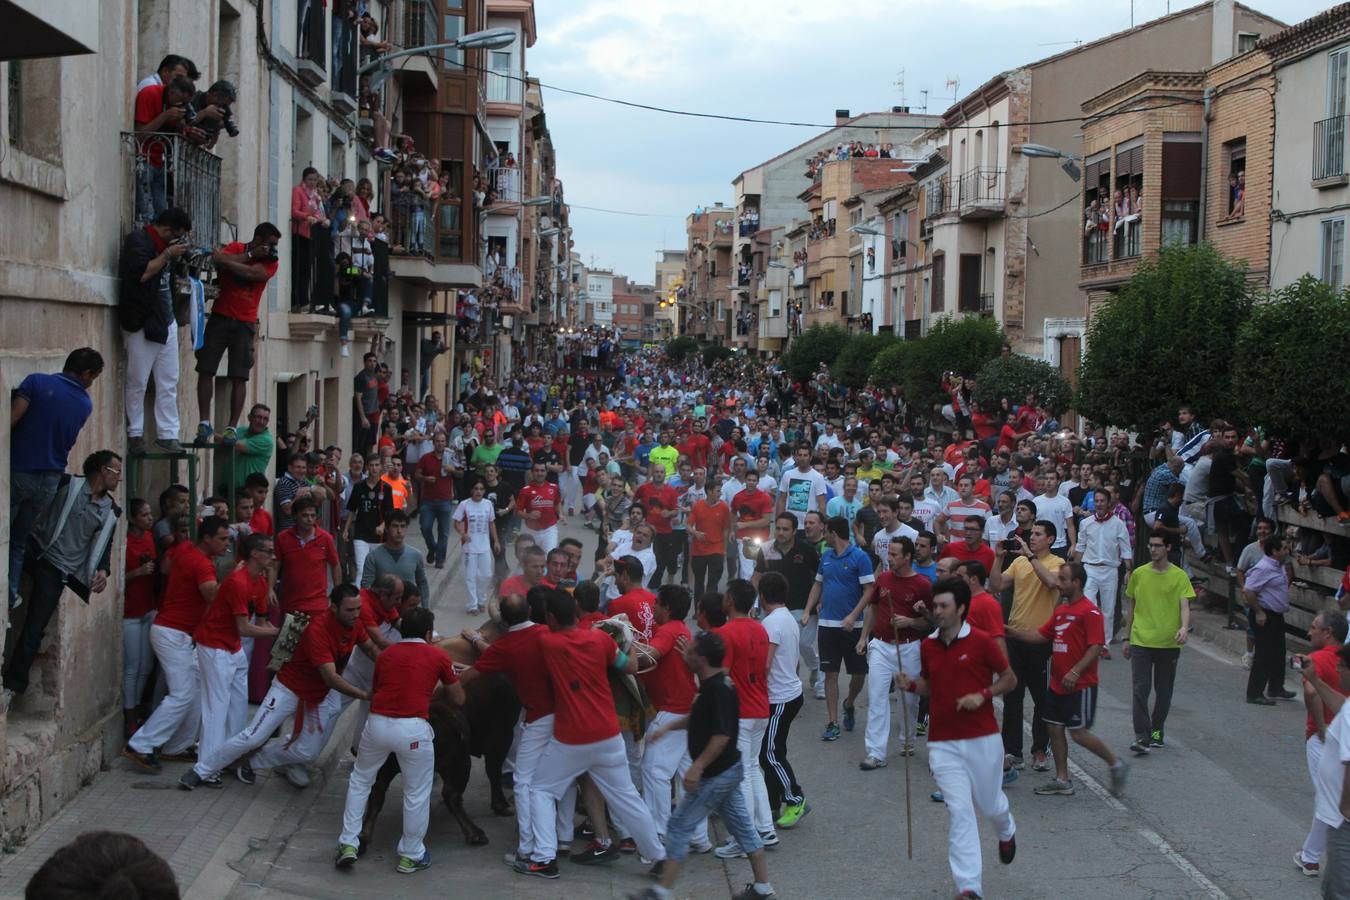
(1127, 199)
(1096, 207)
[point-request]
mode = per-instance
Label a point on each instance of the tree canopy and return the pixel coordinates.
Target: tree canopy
(853, 365)
(817, 344)
(678, 349)
(955, 344)
(1016, 376)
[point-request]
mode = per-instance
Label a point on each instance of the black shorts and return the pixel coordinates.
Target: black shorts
(222, 335)
(1073, 711)
(837, 647)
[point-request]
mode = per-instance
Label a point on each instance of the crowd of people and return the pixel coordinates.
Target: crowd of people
(850, 150)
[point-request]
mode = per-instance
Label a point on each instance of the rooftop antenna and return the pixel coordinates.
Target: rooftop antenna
(954, 82)
(900, 86)
(924, 92)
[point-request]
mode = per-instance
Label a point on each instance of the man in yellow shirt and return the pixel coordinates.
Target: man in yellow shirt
(1034, 576)
(665, 454)
(868, 470)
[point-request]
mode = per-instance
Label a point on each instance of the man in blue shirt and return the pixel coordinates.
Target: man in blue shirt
(843, 588)
(47, 413)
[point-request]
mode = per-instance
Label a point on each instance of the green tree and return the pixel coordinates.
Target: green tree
(961, 345)
(1166, 338)
(678, 349)
(1289, 368)
(1016, 376)
(854, 363)
(817, 344)
(716, 352)
(888, 366)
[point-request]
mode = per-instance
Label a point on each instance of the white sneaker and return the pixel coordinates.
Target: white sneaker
(297, 775)
(1247, 659)
(730, 850)
(819, 690)
(345, 351)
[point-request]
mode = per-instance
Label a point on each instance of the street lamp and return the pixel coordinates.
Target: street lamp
(488, 39)
(866, 230)
(550, 232)
(1041, 151)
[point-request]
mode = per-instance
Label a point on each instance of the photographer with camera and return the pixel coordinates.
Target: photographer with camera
(208, 113)
(232, 327)
(159, 114)
(145, 312)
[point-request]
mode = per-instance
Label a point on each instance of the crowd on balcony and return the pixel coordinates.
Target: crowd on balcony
(748, 222)
(849, 150)
(820, 228)
(1121, 215)
(799, 257)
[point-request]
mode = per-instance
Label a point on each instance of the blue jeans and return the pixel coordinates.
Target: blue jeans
(151, 190)
(29, 494)
(721, 794)
(432, 514)
(344, 319)
(419, 230)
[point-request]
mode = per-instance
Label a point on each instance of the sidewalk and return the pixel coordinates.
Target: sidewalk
(210, 838)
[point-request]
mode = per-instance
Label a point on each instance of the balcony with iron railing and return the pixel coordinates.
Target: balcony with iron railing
(938, 195)
(312, 42)
(505, 184)
(345, 42)
(165, 170)
(980, 193)
(502, 88)
(1329, 167)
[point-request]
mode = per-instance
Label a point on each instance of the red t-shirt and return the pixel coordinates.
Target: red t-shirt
(968, 665)
(183, 605)
(373, 614)
(588, 620)
(544, 497)
(139, 597)
(578, 664)
(985, 426)
(1007, 438)
(727, 452)
(324, 641)
(696, 447)
(443, 488)
(960, 550)
(637, 605)
(670, 685)
(149, 104)
(261, 522)
(749, 507)
(406, 676)
(516, 653)
(1324, 663)
(896, 596)
(748, 651)
(656, 498)
(304, 570)
(239, 299)
(516, 584)
(1072, 629)
(986, 614)
(239, 595)
(709, 520)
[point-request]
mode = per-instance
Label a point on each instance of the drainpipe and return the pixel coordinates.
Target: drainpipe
(1204, 161)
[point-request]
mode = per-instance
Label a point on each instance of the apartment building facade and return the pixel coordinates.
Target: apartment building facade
(667, 279)
(703, 299)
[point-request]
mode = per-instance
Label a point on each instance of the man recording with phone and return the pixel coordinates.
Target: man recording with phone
(232, 327)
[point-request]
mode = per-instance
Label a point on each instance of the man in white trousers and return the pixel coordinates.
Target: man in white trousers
(894, 623)
(476, 521)
(145, 312)
(585, 736)
(1103, 545)
(219, 639)
(962, 670)
(381, 609)
(670, 686)
(300, 688)
(172, 729)
(406, 676)
(516, 655)
(1327, 636)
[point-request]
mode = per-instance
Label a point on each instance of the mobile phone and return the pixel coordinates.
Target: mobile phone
(1010, 543)
(1298, 662)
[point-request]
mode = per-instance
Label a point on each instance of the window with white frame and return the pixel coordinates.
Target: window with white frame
(1333, 252)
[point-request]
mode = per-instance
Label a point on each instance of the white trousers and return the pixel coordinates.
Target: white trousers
(224, 697)
(144, 358)
(1316, 842)
(531, 739)
(749, 740)
(478, 578)
(360, 672)
(1103, 584)
(969, 773)
(544, 538)
(570, 487)
(317, 729)
(278, 706)
(746, 565)
(360, 550)
(176, 721)
(136, 658)
(881, 668)
(664, 761)
(806, 645)
(1192, 529)
(559, 765)
(411, 740)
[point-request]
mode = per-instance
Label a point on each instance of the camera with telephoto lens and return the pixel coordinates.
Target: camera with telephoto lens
(264, 254)
(227, 122)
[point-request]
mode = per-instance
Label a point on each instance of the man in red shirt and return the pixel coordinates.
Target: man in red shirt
(190, 588)
(585, 736)
(894, 622)
(698, 445)
(539, 504)
(515, 654)
(754, 515)
(532, 572)
(158, 114)
(220, 650)
(1076, 633)
(634, 600)
(747, 648)
(299, 689)
(986, 613)
(662, 503)
(406, 676)
(961, 671)
(670, 686)
(973, 547)
(232, 327)
(435, 474)
(309, 561)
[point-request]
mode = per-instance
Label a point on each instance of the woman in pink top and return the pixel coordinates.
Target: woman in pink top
(365, 193)
(306, 210)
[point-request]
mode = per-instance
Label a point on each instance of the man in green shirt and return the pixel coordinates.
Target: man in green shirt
(253, 449)
(1157, 619)
(665, 454)
(486, 453)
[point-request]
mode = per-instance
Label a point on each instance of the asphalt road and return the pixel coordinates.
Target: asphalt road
(1217, 814)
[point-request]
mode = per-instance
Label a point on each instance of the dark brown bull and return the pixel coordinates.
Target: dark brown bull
(483, 726)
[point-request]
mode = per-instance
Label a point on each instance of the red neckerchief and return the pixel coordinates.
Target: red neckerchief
(158, 241)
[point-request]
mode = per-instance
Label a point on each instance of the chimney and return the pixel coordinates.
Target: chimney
(1223, 33)
(903, 110)
(841, 116)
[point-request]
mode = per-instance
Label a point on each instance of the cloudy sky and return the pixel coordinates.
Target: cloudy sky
(777, 59)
